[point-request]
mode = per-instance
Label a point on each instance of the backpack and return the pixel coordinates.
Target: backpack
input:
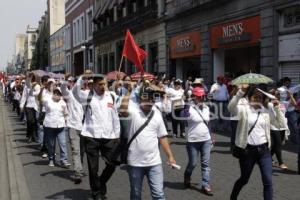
(88, 103)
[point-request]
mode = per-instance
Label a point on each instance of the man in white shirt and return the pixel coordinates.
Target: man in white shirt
(29, 97)
(220, 100)
(143, 154)
(291, 114)
(100, 131)
(74, 123)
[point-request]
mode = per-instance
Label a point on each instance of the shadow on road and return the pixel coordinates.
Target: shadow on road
(75, 194)
(64, 174)
(287, 171)
(174, 185)
(39, 162)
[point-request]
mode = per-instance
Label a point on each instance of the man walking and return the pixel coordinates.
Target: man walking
(143, 153)
(100, 132)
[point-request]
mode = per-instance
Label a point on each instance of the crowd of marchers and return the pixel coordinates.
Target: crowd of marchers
(126, 122)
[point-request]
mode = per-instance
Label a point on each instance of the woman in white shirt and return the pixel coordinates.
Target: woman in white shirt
(199, 139)
(54, 127)
(29, 101)
(253, 141)
(278, 134)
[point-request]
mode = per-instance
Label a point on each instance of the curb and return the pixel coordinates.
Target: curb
(18, 189)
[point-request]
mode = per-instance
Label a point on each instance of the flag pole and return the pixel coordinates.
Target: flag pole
(120, 66)
(121, 62)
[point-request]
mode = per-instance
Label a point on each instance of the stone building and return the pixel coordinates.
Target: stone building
(144, 18)
(30, 42)
(208, 38)
(57, 51)
(79, 35)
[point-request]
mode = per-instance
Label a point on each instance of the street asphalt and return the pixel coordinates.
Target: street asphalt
(45, 182)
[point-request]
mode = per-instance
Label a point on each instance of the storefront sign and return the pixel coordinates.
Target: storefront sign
(104, 48)
(245, 31)
(185, 45)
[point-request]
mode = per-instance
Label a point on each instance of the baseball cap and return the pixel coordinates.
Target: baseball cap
(198, 91)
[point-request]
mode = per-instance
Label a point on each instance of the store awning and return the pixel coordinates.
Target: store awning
(107, 5)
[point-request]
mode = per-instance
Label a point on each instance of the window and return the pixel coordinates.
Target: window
(105, 63)
(291, 17)
(112, 62)
(91, 56)
(82, 30)
(100, 70)
(89, 23)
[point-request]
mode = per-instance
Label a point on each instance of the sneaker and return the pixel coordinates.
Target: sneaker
(283, 166)
(44, 155)
(65, 164)
(51, 163)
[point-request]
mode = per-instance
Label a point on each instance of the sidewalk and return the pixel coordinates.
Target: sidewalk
(13, 185)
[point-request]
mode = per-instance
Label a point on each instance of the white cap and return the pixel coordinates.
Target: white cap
(51, 80)
(71, 78)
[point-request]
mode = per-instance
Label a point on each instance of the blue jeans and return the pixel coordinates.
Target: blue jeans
(155, 180)
(262, 156)
(292, 118)
(52, 134)
(193, 149)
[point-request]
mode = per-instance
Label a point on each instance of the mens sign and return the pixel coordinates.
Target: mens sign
(185, 45)
(245, 31)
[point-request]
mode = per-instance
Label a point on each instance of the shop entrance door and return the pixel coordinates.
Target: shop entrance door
(240, 61)
(191, 67)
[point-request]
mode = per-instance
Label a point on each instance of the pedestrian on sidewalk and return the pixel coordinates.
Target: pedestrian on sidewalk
(143, 153)
(253, 140)
(100, 131)
(54, 127)
(30, 103)
(198, 139)
(74, 124)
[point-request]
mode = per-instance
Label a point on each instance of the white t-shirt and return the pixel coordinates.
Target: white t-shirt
(197, 131)
(144, 150)
(55, 111)
(220, 92)
(258, 135)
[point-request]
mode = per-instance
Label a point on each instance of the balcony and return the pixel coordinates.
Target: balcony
(139, 20)
(182, 7)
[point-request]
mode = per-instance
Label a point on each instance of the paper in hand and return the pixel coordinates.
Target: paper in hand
(270, 96)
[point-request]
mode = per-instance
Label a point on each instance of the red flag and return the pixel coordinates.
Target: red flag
(133, 52)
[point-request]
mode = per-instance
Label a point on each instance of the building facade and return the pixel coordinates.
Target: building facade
(30, 42)
(208, 38)
(40, 59)
(57, 51)
(144, 19)
(79, 36)
(19, 53)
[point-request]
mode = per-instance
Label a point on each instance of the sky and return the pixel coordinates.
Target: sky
(15, 15)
